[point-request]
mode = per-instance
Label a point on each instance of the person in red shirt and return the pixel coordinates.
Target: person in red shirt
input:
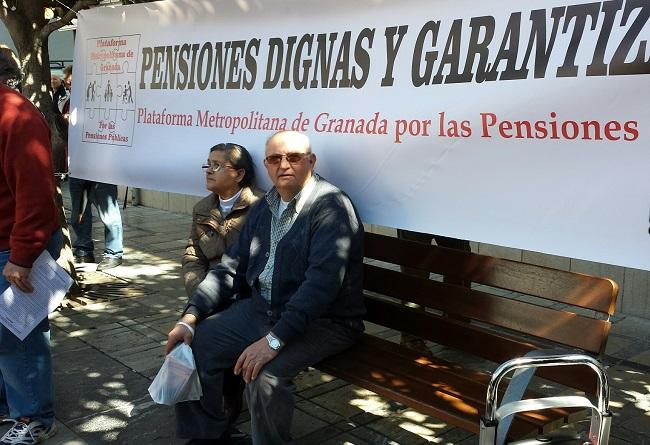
(28, 226)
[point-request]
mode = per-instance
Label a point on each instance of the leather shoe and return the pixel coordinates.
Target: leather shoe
(85, 258)
(109, 262)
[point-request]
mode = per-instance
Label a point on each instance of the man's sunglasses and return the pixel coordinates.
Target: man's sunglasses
(292, 158)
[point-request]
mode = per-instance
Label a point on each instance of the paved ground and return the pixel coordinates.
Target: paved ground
(107, 351)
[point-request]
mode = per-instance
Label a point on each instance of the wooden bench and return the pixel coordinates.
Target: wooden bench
(492, 322)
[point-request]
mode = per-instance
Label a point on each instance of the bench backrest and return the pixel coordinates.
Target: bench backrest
(491, 319)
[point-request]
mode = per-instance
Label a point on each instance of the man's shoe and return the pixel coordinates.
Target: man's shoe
(27, 433)
(84, 258)
(109, 262)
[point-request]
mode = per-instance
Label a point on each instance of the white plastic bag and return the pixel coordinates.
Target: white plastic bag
(177, 380)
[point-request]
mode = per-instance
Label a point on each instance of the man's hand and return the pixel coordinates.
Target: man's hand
(180, 333)
(252, 360)
(19, 276)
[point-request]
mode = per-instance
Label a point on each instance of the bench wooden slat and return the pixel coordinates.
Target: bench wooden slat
(568, 328)
(444, 376)
(480, 323)
(437, 391)
(571, 288)
(493, 346)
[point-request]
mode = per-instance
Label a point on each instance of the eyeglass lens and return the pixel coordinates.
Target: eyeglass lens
(292, 158)
(215, 167)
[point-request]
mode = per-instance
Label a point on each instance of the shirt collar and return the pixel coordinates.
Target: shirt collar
(273, 197)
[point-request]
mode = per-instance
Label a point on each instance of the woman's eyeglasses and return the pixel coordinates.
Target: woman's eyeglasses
(215, 167)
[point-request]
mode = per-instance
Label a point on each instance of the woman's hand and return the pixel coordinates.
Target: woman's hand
(181, 333)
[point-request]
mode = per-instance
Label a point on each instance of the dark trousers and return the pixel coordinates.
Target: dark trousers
(219, 341)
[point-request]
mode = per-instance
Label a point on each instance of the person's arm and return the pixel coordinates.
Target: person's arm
(27, 166)
(222, 281)
(218, 286)
(195, 264)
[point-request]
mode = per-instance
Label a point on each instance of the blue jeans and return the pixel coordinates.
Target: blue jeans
(104, 198)
(26, 366)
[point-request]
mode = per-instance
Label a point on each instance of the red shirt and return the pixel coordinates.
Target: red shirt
(28, 214)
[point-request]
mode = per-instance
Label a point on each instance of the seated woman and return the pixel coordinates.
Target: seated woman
(216, 222)
(218, 218)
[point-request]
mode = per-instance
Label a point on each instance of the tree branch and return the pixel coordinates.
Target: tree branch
(66, 19)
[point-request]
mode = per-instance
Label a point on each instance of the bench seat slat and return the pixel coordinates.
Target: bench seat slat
(496, 347)
(571, 288)
(434, 389)
(568, 328)
(445, 376)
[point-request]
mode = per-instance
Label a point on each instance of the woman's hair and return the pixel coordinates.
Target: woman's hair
(240, 158)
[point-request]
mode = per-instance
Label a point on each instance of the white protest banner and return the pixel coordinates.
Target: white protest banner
(523, 124)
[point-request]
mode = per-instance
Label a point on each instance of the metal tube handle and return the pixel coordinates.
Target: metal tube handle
(547, 361)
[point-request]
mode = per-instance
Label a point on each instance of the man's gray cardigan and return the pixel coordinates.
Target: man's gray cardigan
(318, 271)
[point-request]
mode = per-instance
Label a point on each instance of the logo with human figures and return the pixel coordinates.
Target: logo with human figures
(109, 102)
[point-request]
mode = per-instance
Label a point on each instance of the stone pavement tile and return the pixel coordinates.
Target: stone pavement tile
(166, 246)
(330, 435)
(633, 327)
(155, 238)
(457, 436)
(623, 436)
(163, 302)
(311, 378)
(168, 294)
(639, 424)
(149, 331)
(129, 425)
(623, 346)
(629, 386)
(303, 424)
(411, 427)
(61, 342)
(103, 401)
(146, 269)
(347, 439)
(145, 361)
(643, 358)
(116, 343)
(351, 400)
(319, 412)
(65, 436)
(375, 434)
(613, 440)
(321, 389)
(89, 383)
(136, 351)
(168, 227)
(162, 324)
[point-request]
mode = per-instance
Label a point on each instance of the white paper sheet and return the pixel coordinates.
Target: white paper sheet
(21, 312)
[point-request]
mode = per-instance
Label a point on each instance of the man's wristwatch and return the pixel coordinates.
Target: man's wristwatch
(274, 343)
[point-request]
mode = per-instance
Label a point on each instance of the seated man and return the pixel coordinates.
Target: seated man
(295, 275)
